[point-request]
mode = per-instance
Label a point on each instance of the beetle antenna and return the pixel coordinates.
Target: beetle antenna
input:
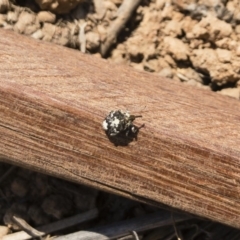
(132, 117)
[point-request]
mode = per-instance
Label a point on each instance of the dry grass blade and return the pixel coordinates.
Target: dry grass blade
(123, 228)
(52, 227)
(123, 15)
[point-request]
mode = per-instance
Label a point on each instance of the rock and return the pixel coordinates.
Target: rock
(198, 32)
(223, 55)
(238, 50)
(61, 36)
(118, 56)
(3, 19)
(26, 23)
(196, 43)
(223, 43)
(231, 92)
(135, 50)
(201, 58)
(162, 63)
(210, 28)
(188, 24)
(167, 12)
(151, 65)
(177, 16)
(3, 231)
(176, 48)
(207, 61)
(188, 74)
(217, 29)
(166, 72)
(58, 6)
(173, 29)
(12, 17)
(48, 31)
(193, 83)
(137, 66)
(237, 29)
(38, 34)
(56, 34)
(227, 43)
(169, 60)
(4, 6)
(92, 40)
(160, 4)
(45, 16)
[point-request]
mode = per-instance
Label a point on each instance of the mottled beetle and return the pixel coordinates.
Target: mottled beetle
(118, 122)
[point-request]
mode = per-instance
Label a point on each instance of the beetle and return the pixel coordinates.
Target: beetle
(118, 122)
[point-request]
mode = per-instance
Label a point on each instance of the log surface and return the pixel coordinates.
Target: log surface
(52, 104)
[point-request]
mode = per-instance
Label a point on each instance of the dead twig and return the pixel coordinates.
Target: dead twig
(124, 13)
(123, 228)
(135, 235)
(82, 36)
(30, 232)
(27, 228)
(175, 229)
(99, 8)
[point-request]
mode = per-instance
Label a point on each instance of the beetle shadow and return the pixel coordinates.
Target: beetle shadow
(125, 137)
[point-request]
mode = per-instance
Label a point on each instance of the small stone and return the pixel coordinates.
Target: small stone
(223, 43)
(218, 29)
(3, 19)
(48, 29)
(169, 60)
(223, 55)
(167, 12)
(173, 28)
(38, 34)
(206, 60)
(160, 4)
(45, 16)
(58, 6)
(92, 40)
(4, 6)
(176, 48)
(118, 57)
(196, 43)
(3, 231)
(231, 92)
(12, 17)
(26, 23)
(238, 50)
(151, 65)
(189, 74)
(166, 72)
(198, 32)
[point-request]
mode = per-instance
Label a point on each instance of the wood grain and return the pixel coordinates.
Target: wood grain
(53, 101)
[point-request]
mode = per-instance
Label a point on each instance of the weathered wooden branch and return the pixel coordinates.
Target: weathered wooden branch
(52, 104)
